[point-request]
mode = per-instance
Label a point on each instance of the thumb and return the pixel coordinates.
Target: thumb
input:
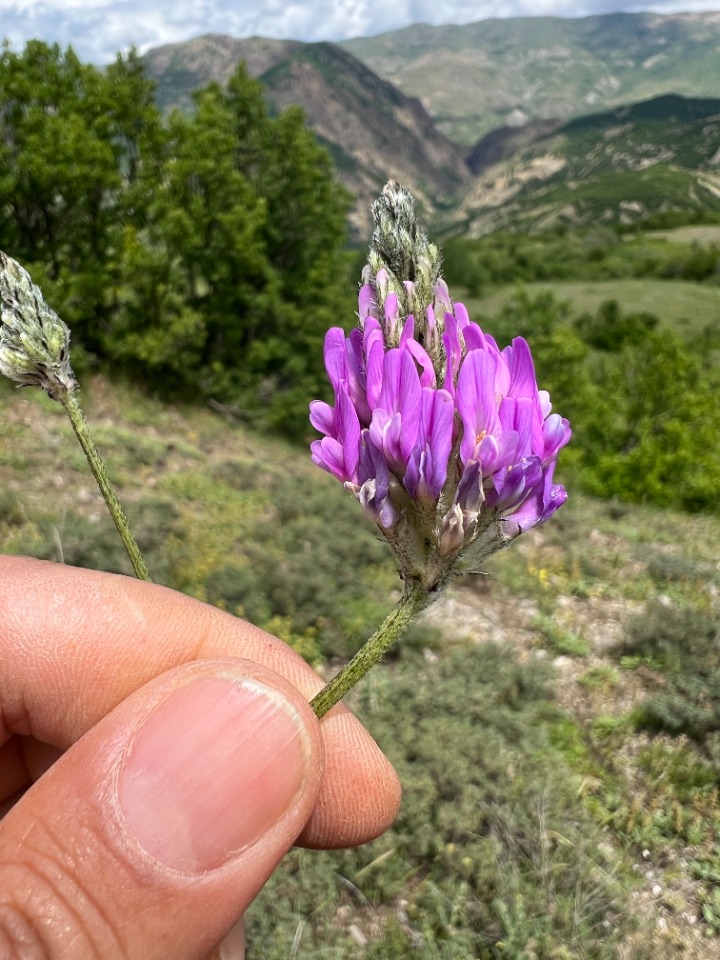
(151, 835)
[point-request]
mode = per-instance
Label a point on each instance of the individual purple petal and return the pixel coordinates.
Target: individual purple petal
(348, 433)
(322, 417)
(328, 453)
(494, 453)
(502, 377)
(474, 338)
(545, 405)
(384, 432)
(556, 433)
(367, 304)
(518, 415)
(492, 343)
(339, 452)
(451, 343)
(392, 317)
(521, 368)
(374, 347)
(374, 477)
(421, 357)
(355, 377)
(459, 311)
(383, 508)
(408, 330)
(415, 474)
(427, 465)
(542, 503)
(408, 402)
(400, 405)
(512, 486)
(438, 415)
(476, 400)
(334, 355)
(469, 494)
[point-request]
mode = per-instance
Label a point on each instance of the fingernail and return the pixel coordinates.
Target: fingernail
(213, 767)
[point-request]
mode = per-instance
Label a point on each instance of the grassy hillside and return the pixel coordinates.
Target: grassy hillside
(621, 166)
(374, 131)
(180, 68)
(550, 809)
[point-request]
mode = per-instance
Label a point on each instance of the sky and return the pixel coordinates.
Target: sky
(98, 29)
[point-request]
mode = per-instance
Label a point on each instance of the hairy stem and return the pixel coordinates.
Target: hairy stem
(414, 599)
(77, 419)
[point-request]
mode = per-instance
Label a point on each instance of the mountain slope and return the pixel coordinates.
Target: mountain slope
(513, 70)
(372, 129)
(180, 68)
(619, 166)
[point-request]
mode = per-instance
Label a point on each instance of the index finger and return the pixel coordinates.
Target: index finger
(75, 643)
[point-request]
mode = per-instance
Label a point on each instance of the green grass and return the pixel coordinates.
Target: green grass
(558, 640)
(684, 306)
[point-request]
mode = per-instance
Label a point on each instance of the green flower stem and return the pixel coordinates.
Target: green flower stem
(77, 419)
(414, 599)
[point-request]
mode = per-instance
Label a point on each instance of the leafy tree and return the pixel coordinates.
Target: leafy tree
(238, 272)
(610, 329)
(71, 139)
(668, 452)
(202, 254)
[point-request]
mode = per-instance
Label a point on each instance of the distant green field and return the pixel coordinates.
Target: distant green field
(684, 306)
(699, 233)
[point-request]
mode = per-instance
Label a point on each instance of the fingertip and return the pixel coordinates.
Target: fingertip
(360, 792)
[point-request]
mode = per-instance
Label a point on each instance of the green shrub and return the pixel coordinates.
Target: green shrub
(684, 644)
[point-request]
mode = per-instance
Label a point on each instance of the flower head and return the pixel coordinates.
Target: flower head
(444, 438)
(34, 342)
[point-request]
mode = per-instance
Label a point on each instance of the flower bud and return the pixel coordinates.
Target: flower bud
(34, 342)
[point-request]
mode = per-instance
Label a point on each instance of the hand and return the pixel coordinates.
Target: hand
(169, 776)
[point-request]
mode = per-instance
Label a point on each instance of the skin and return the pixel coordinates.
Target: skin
(85, 655)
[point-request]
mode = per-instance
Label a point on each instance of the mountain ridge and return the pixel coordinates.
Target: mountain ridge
(522, 68)
(380, 126)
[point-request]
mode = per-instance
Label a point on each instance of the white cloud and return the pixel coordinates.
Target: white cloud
(99, 28)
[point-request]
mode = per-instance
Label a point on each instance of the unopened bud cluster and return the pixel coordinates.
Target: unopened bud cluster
(34, 341)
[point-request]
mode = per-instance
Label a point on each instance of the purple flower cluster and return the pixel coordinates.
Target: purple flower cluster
(444, 424)
(444, 439)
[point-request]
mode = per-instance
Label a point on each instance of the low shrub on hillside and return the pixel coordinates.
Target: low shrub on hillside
(684, 646)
